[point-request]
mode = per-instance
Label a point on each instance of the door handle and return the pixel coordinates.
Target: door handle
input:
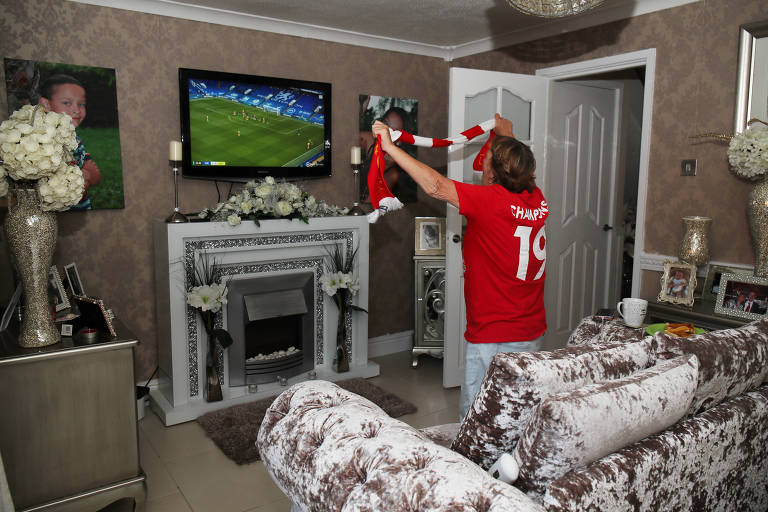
(456, 239)
(606, 227)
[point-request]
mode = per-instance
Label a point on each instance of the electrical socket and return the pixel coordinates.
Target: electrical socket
(688, 168)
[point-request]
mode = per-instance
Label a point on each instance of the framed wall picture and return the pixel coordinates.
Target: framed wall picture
(73, 278)
(714, 274)
(56, 290)
(429, 236)
(678, 283)
(742, 296)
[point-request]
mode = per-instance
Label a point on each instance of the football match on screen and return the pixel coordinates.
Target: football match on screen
(235, 124)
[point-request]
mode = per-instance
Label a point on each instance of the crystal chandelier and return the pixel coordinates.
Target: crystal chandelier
(553, 8)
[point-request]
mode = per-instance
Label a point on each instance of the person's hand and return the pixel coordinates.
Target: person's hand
(91, 174)
(380, 129)
(503, 126)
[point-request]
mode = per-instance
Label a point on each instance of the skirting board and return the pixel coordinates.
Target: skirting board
(390, 343)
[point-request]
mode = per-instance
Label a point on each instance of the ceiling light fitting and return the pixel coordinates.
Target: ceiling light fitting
(553, 8)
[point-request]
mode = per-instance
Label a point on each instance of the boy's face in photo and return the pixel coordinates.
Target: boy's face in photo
(67, 99)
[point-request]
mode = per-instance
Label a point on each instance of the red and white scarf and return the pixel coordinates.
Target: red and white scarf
(382, 199)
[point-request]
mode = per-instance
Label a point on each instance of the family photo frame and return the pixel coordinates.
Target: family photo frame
(742, 296)
(429, 236)
(714, 275)
(56, 290)
(73, 278)
(678, 283)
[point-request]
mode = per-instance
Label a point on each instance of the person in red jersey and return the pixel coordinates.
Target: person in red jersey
(504, 249)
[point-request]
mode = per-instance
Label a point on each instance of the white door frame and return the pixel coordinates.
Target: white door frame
(646, 58)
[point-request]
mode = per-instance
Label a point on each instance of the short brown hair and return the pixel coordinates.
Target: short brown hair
(513, 164)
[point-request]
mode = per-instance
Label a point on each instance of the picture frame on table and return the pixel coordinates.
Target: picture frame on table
(429, 236)
(678, 283)
(94, 315)
(742, 296)
(56, 289)
(73, 278)
(714, 274)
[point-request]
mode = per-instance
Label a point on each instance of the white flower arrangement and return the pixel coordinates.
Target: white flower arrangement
(208, 297)
(333, 281)
(748, 151)
(269, 199)
(37, 146)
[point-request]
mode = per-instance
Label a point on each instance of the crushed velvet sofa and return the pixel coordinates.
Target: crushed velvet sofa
(614, 422)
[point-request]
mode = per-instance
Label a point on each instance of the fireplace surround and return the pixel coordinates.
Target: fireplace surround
(273, 272)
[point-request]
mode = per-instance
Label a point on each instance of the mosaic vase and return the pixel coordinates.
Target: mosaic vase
(212, 391)
(341, 360)
(757, 213)
(31, 234)
(694, 247)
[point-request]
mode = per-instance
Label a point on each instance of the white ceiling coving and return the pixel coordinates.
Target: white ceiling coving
(437, 28)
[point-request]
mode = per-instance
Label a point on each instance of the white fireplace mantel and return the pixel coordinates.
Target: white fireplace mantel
(276, 247)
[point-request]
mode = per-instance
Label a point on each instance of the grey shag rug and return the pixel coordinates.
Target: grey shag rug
(234, 429)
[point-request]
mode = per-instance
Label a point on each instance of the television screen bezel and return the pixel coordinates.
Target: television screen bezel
(247, 173)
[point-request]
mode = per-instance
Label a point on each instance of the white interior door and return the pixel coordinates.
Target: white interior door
(475, 96)
(582, 151)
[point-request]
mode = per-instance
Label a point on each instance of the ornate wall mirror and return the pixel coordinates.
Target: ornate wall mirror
(752, 81)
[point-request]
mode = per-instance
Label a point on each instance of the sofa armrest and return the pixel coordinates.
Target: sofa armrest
(329, 449)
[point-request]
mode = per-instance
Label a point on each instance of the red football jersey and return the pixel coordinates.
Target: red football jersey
(504, 259)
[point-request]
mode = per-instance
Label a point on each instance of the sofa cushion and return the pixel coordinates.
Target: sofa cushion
(516, 382)
(731, 361)
(575, 428)
(715, 461)
(596, 332)
(441, 434)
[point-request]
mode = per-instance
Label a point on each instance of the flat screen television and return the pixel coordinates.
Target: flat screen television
(238, 127)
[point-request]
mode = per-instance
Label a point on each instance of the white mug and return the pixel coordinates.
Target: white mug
(632, 311)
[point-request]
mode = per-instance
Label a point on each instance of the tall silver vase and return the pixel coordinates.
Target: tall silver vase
(31, 234)
(757, 213)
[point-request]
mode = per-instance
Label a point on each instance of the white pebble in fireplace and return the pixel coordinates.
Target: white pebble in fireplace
(273, 271)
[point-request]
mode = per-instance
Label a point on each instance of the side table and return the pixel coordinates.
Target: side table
(68, 431)
(702, 314)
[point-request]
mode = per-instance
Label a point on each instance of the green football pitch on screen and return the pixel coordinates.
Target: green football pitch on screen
(238, 135)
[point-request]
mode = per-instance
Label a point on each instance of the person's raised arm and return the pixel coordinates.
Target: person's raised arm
(432, 182)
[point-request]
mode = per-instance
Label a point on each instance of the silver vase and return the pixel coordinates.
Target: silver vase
(694, 247)
(757, 213)
(31, 234)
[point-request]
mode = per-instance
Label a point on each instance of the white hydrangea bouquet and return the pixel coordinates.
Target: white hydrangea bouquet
(269, 199)
(339, 282)
(748, 150)
(37, 146)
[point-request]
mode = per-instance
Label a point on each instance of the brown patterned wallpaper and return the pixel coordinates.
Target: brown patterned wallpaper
(697, 46)
(696, 56)
(113, 248)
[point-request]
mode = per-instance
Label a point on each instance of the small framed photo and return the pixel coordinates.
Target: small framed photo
(430, 236)
(714, 274)
(66, 329)
(73, 278)
(95, 315)
(56, 290)
(678, 283)
(742, 296)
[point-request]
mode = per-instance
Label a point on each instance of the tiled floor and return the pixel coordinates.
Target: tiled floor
(186, 472)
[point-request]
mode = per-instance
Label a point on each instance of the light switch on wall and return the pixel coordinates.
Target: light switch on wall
(688, 168)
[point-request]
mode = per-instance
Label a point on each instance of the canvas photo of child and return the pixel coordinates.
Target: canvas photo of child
(89, 96)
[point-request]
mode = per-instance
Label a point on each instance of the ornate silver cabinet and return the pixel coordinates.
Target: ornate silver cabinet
(429, 287)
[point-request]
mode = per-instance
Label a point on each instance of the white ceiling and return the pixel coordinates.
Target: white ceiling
(439, 28)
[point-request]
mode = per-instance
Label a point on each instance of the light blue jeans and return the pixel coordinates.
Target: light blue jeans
(477, 360)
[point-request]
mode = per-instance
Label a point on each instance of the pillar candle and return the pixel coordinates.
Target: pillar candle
(175, 151)
(355, 155)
